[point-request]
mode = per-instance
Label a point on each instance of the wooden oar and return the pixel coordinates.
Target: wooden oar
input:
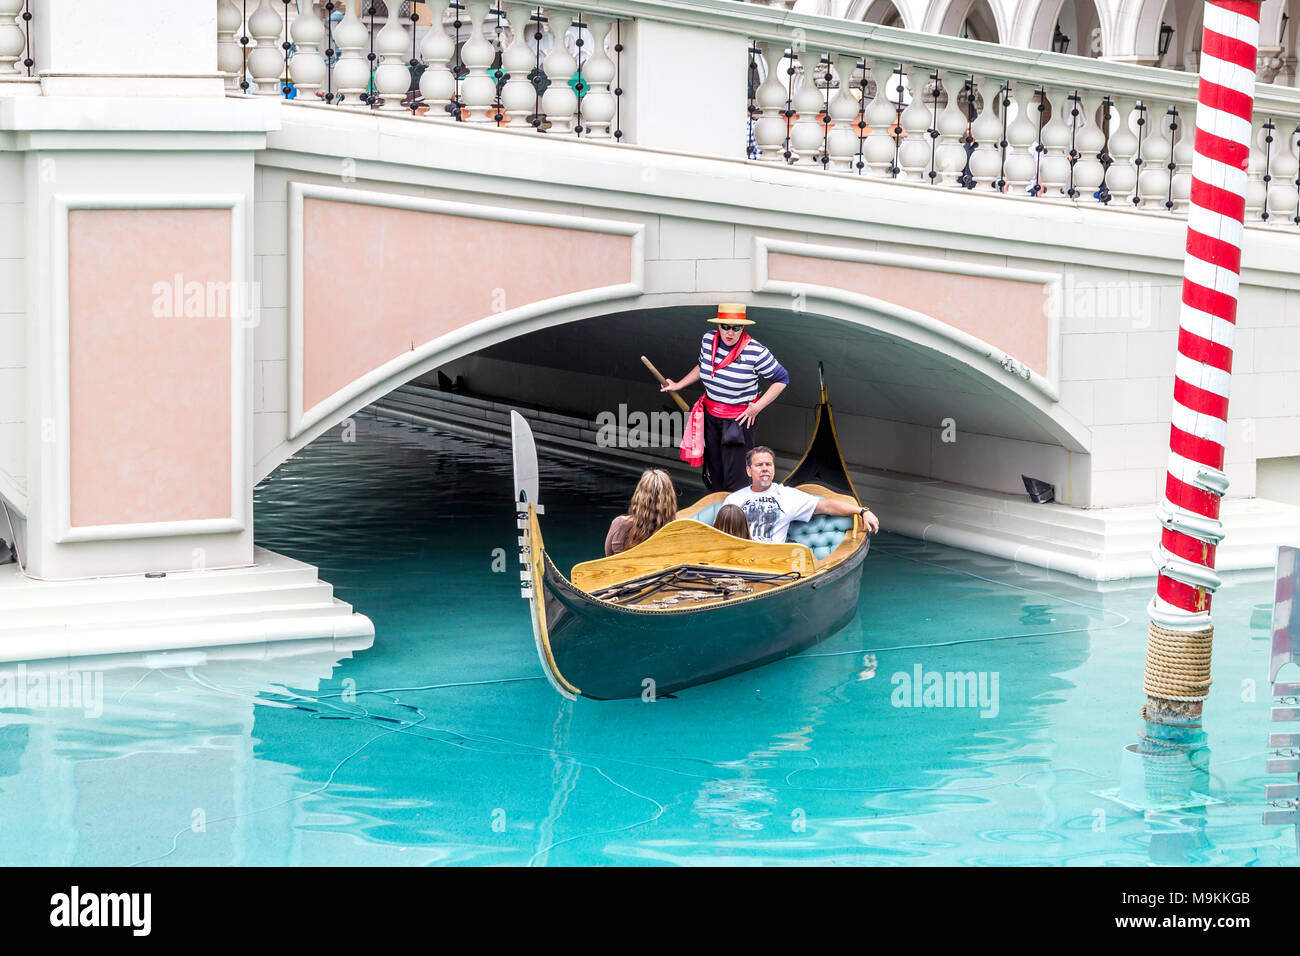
(663, 381)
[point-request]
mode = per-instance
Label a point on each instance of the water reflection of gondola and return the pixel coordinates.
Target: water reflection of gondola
(692, 604)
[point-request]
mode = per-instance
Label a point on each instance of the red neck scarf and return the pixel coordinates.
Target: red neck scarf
(732, 355)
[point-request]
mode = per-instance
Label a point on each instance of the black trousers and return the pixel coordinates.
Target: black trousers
(724, 465)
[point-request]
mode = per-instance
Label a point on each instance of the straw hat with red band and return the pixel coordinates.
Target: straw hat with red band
(731, 313)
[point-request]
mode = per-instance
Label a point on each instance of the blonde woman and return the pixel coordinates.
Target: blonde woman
(653, 505)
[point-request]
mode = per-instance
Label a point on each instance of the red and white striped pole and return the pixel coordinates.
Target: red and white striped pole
(1177, 678)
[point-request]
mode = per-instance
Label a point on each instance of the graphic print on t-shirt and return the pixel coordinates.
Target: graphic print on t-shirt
(764, 514)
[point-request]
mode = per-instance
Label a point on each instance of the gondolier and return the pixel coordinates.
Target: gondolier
(729, 367)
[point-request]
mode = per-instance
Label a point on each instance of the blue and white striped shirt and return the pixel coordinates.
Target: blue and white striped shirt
(737, 384)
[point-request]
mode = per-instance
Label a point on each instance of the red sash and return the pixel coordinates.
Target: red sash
(721, 409)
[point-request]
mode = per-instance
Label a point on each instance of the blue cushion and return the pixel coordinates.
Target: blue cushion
(709, 514)
(822, 533)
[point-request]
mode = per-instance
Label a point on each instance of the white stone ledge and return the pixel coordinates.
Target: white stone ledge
(276, 599)
(139, 114)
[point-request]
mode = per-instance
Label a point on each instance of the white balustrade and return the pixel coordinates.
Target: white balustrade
(881, 148)
(392, 76)
(307, 67)
(914, 151)
(598, 103)
(986, 160)
(12, 39)
(772, 127)
(1089, 141)
(559, 102)
(1121, 177)
(437, 83)
(842, 140)
(950, 153)
(807, 134)
(478, 90)
(266, 61)
(1283, 169)
(876, 104)
(519, 97)
(1021, 164)
(230, 53)
(351, 72)
(1256, 188)
(1054, 140)
(1153, 180)
(1184, 148)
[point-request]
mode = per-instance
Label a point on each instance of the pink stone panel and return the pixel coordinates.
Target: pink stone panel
(1006, 313)
(149, 365)
(380, 282)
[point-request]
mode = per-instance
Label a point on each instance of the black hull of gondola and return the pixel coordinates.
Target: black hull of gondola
(611, 653)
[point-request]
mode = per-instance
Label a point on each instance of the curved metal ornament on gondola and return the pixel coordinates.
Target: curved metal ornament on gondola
(690, 604)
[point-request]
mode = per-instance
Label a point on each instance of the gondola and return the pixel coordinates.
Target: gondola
(691, 604)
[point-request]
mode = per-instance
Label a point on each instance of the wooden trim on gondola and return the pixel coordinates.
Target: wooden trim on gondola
(536, 568)
(703, 543)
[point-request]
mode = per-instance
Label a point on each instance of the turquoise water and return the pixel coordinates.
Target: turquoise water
(441, 743)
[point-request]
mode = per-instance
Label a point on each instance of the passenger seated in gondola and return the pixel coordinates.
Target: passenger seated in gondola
(732, 520)
(653, 505)
(772, 506)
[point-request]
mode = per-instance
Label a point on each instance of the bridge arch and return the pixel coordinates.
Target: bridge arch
(887, 357)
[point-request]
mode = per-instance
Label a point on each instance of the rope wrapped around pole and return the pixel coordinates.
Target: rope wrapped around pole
(1179, 639)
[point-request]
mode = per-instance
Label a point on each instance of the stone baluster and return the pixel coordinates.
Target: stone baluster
(1022, 163)
(1054, 138)
(1053, 143)
(881, 146)
(952, 123)
(478, 91)
(559, 102)
(351, 72)
(519, 96)
(598, 71)
(914, 153)
(393, 74)
(12, 40)
(266, 61)
(807, 134)
(1153, 180)
(1122, 144)
(1283, 167)
(1180, 190)
(437, 83)
(1256, 187)
(986, 160)
(1089, 141)
(230, 55)
(307, 67)
(771, 129)
(842, 140)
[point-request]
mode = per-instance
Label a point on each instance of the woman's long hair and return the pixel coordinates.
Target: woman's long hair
(654, 504)
(731, 519)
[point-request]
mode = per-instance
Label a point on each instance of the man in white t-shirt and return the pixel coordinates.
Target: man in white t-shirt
(771, 506)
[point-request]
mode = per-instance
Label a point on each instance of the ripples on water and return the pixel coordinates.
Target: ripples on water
(442, 742)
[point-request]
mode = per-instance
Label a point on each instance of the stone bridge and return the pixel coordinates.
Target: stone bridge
(199, 276)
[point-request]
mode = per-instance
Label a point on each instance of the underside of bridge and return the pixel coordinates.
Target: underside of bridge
(899, 407)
